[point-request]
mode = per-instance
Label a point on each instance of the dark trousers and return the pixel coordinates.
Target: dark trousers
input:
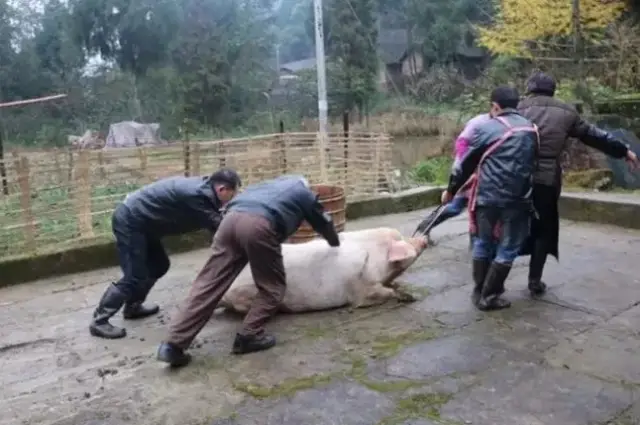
(514, 224)
(241, 238)
(546, 228)
(142, 257)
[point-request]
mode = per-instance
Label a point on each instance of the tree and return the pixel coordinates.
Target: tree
(7, 54)
(438, 27)
(221, 54)
(352, 47)
(520, 22)
(294, 40)
(59, 56)
(133, 33)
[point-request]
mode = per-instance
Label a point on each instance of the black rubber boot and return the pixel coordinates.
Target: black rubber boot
(139, 310)
(536, 265)
(479, 272)
(490, 298)
(109, 305)
(172, 354)
(245, 344)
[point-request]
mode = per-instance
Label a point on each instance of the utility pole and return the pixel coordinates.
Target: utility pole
(322, 85)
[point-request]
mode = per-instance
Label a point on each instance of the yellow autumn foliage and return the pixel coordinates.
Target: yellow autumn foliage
(519, 21)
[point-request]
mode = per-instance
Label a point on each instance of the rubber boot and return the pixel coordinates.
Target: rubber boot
(493, 288)
(480, 268)
(172, 354)
(245, 344)
(536, 265)
(138, 310)
(108, 306)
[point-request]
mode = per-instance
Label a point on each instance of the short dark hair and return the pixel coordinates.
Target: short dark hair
(505, 96)
(226, 177)
(541, 83)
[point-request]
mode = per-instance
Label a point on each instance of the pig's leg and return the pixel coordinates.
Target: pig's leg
(374, 295)
(403, 296)
(239, 299)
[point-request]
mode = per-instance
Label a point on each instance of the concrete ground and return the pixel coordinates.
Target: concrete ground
(568, 359)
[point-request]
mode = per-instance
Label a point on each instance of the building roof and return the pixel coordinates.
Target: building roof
(299, 65)
(393, 45)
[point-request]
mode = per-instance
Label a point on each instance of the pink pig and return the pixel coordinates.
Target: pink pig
(359, 273)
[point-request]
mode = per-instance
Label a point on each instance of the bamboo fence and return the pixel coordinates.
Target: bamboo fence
(63, 198)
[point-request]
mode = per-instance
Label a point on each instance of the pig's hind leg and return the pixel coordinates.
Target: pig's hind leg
(378, 294)
(239, 300)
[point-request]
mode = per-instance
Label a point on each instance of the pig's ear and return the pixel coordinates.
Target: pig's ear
(400, 251)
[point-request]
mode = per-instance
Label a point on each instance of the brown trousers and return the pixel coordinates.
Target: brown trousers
(241, 238)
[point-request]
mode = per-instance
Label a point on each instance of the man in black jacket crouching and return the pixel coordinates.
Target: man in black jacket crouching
(174, 205)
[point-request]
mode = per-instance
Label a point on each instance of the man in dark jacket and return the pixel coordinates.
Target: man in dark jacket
(502, 155)
(255, 223)
(556, 121)
(174, 205)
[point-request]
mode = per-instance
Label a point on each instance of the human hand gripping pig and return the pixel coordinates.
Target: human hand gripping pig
(358, 273)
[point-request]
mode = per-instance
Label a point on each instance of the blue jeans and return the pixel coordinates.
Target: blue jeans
(515, 229)
(143, 259)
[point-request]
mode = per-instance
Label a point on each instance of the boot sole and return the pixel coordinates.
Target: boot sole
(537, 292)
(100, 334)
(239, 351)
(141, 316)
(176, 364)
(494, 307)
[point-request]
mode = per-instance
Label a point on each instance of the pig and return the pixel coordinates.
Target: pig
(358, 273)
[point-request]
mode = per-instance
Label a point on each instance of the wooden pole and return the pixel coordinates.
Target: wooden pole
(30, 101)
(24, 173)
(3, 169)
(195, 159)
(83, 194)
(283, 149)
(186, 148)
(345, 129)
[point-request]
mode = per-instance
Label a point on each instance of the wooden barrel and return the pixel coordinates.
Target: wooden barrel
(333, 200)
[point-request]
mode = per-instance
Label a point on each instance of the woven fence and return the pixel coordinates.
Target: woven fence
(63, 198)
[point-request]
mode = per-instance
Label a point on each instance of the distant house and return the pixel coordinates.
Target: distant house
(395, 60)
(291, 69)
(471, 59)
(398, 61)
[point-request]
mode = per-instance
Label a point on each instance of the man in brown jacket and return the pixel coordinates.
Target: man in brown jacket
(556, 121)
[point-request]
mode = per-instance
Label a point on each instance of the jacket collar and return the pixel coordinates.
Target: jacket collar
(507, 111)
(207, 189)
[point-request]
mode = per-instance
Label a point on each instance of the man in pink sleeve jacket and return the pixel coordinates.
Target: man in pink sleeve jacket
(459, 203)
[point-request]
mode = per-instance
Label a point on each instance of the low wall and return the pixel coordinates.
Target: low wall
(614, 209)
(103, 253)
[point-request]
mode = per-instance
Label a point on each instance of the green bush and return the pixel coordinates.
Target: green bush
(433, 170)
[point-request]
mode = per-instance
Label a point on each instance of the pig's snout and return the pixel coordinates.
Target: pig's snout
(418, 243)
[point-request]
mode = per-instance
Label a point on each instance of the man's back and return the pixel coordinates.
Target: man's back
(556, 120)
(505, 177)
(285, 201)
(174, 205)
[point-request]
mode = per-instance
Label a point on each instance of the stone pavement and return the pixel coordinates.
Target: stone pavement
(568, 359)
